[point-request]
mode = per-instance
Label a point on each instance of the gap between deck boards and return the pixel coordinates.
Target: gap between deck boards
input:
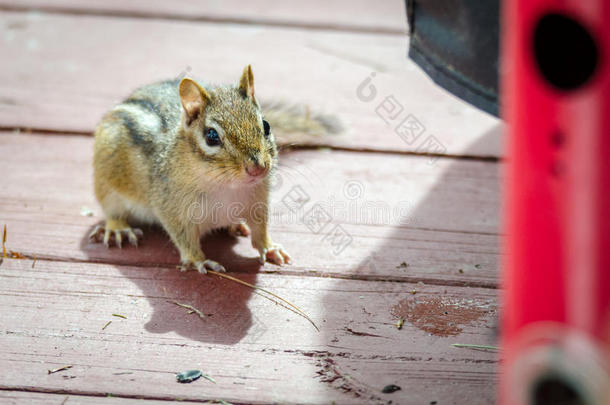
(139, 14)
(43, 390)
(291, 147)
(281, 272)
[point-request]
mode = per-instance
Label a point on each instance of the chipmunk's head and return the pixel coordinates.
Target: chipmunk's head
(227, 131)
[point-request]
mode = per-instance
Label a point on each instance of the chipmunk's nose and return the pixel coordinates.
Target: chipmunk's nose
(254, 168)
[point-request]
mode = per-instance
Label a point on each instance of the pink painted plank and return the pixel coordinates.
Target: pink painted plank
(358, 15)
(39, 398)
(440, 219)
(53, 316)
(52, 80)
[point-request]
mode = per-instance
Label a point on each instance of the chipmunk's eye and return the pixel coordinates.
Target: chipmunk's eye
(266, 127)
(211, 137)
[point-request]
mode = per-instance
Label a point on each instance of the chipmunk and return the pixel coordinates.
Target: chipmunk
(175, 145)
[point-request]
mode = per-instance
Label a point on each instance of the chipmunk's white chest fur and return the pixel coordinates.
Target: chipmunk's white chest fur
(220, 208)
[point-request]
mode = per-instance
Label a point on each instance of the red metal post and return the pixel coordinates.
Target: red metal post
(556, 102)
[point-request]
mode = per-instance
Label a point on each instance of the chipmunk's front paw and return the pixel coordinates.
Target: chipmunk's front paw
(240, 229)
(114, 231)
(274, 254)
(202, 266)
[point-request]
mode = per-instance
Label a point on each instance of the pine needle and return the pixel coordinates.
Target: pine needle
(56, 370)
(293, 307)
(281, 304)
(468, 346)
(207, 377)
(190, 307)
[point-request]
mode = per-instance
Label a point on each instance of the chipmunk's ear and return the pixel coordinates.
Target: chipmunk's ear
(194, 98)
(246, 83)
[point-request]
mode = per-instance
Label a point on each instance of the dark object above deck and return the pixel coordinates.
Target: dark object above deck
(456, 43)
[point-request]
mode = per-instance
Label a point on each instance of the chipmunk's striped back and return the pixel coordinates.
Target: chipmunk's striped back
(150, 111)
(145, 121)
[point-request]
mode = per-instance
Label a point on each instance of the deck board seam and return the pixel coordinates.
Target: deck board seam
(59, 391)
(141, 15)
(283, 148)
(319, 274)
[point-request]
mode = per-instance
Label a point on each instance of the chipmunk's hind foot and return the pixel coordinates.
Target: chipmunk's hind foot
(202, 266)
(114, 231)
(240, 229)
(274, 254)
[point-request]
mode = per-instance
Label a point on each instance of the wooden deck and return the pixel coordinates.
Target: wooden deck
(421, 220)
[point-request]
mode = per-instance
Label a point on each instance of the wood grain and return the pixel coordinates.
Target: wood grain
(423, 231)
(249, 346)
(358, 15)
(9, 397)
(53, 79)
(439, 219)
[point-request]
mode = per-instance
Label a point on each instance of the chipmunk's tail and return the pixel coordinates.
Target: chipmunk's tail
(290, 122)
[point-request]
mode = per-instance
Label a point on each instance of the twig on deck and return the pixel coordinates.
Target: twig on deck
(294, 307)
(4, 243)
(189, 307)
(15, 255)
(357, 333)
(56, 370)
(11, 253)
(468, 346)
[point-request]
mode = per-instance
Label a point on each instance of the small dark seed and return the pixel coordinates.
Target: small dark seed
(388, 389)
(188, 376)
